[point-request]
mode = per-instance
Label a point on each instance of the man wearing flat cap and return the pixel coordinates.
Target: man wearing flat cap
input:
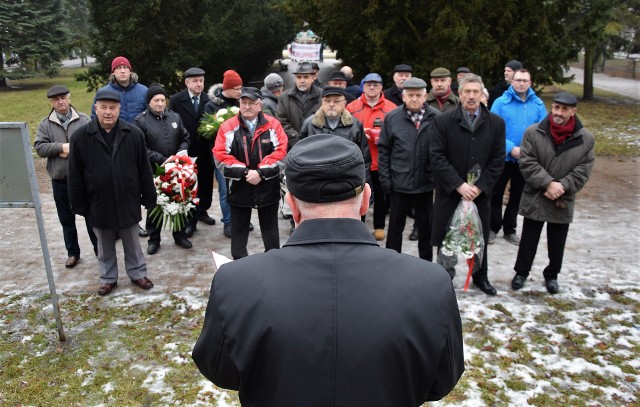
(556, 159)
(401, 73)
(326, 319)
(371, 108)
(460, 72)
(52, 143)
(271, 91)
(109, 178)
(333, 118)
(164, 136)
(339, 80)
(404, 168)
(299, 102)
(441, 96)
(248, 151)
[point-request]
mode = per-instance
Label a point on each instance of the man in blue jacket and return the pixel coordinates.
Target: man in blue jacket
(520, 108)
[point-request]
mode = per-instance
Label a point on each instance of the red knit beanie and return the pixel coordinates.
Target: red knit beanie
(117, 61)
(231, 79)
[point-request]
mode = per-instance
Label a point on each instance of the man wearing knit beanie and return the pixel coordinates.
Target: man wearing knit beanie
(497, 91)
(164, 135)
(221, 96)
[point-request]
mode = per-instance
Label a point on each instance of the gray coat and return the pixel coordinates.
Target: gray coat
(292, 111)
(50, 137)
(269, 102)
(542, 162)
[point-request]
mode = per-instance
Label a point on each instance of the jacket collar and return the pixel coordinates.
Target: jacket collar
(319, 119)
(332, 230)
(54, 117)
(459, 112)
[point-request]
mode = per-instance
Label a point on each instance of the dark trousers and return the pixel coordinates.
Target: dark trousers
(400, 205)
(511, 173)
(556, 239)
(240, 218)
(380, 204)
(202, 148)
(154, 231)
(68, 219)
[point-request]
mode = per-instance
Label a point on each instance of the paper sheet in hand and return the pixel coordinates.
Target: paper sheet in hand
(219, 260)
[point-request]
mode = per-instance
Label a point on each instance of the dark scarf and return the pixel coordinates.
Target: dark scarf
(560, 133)
(442, 99)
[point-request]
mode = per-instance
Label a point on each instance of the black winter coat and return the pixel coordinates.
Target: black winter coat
(164, 134)
(332, 319)
(109, 186)
(182, 104)
(403, 152)
(393, 94)
(455, 149)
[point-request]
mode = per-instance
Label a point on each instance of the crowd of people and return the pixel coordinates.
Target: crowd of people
(418, 141)
(319, 155)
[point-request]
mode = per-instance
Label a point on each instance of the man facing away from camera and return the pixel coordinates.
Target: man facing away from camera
(331, 318)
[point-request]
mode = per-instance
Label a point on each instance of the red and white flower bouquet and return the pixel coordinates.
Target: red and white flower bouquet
(176, 182)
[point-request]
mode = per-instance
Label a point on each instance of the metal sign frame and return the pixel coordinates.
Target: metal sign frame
(35, 203)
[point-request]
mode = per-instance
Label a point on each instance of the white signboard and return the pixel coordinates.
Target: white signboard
(304, 52)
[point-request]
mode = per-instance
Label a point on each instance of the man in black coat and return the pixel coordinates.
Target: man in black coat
(164, 136)
(189, 104)
(331, 318)
(404, 169)
(401, 73)
(461, 139)
(109, 178)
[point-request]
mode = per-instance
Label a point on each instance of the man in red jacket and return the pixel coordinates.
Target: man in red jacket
(248, 151)
(371, 108)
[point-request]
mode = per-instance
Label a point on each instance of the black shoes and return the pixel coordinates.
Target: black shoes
(142, 232)
(486, 287)
(183, 242)
(190, 230)
(153, 248)
(206, 219)
(518, 282)
(552, 286)
(227, 230)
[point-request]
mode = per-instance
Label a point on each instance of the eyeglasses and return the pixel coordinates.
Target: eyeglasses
(333, 101)
(522, 80)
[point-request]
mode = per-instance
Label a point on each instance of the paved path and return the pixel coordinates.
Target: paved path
(622, 86)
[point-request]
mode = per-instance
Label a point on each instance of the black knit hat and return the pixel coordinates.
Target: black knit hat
(325, 168)
(155, 89)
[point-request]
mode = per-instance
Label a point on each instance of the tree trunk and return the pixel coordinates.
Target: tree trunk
(587, 87)
(3, 79)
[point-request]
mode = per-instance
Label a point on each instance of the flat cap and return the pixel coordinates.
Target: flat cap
(565, 98)
(372, 77)
(315, 66)
(333, 90)
(193, 72)
(338, 76)
(304, 67)
(403, 68)
(57, 90)
(514, 65)
(325, 168)
(108, 94)
(251, 93)
(440, 72)
(414, 83)
(463, 69)
(273, 81)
